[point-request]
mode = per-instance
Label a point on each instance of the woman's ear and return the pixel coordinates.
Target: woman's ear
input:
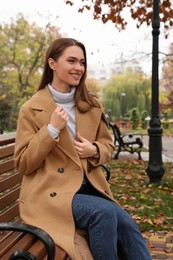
(51, 63)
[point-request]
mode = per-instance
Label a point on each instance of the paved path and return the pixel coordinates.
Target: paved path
(167, 147)
(160, 245)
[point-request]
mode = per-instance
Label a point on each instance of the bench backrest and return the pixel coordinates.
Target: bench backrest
(117, 134)
(10, 179)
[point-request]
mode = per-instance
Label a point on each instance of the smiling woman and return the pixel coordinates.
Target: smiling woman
(62, 139)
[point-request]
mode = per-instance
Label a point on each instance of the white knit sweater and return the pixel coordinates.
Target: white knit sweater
(66, 101)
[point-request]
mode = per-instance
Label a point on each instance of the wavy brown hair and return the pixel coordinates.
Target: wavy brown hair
(84, 100)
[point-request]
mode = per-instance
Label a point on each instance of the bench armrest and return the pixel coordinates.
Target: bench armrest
(107, 170)
(36, 232)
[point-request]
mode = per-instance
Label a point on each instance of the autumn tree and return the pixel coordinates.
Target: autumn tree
(22, 47)
(125, 92)
(140, 10)
(166, 102)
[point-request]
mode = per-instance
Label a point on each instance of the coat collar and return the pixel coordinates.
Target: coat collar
(42, 99)
(86, 123)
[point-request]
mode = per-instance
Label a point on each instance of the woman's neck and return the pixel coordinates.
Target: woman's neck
(62, 98)
(62, 88)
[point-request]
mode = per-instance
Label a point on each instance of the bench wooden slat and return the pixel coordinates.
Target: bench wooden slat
(5, 234)
(9, 198)
(10, 181)
(6, 166)
(7, 138)
(9, 241)
(38, 249)
(10, 213)
(27, 243)
(23, 243)
(7, 151)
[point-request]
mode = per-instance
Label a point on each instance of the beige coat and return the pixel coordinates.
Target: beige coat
(52, 169)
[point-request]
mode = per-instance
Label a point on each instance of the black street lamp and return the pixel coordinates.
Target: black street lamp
(155, 169)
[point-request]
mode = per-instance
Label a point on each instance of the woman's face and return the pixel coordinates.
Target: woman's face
(69, 67)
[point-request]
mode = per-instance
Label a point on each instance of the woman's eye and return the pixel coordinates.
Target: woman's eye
(71, 61)
(82, 63)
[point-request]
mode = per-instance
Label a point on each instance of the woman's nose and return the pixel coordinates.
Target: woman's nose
(78, 66)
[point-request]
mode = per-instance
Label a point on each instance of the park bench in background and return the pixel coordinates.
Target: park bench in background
(131, 143)
(18, 240)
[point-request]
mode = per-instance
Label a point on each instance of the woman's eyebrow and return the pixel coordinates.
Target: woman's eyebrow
(71, 57)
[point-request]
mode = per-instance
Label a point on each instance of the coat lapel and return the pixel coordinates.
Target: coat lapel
(43, 102)
(88, 122)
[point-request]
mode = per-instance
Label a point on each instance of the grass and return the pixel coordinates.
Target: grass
(150, 205)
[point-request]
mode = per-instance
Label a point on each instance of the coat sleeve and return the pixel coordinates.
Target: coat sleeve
(32, 144)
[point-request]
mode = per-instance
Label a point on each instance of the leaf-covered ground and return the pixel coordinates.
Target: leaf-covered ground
(150, 205)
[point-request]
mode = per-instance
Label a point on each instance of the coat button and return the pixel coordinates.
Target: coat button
(60, 170)
(53, 194)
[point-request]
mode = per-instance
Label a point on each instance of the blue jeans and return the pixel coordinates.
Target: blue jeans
(111, 230)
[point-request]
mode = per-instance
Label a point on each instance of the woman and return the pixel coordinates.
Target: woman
(62, 138)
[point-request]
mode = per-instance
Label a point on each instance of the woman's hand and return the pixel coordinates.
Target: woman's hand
(84, 148)
(59, 118)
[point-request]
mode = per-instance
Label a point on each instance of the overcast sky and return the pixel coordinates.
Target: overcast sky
(104, 44)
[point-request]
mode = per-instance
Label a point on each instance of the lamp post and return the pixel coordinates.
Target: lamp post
(155, 169)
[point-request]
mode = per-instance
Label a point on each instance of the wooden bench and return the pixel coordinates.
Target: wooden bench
(131, 143)
(18, 240)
